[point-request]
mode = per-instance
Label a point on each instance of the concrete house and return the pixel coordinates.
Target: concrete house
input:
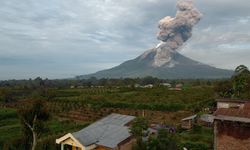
(109, 133)
(232, 126)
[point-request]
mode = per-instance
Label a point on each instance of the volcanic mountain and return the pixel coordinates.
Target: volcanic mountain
(164, 61)
(172, 66)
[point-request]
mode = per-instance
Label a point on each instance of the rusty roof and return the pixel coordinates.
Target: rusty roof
(233, 112)
(234, 119)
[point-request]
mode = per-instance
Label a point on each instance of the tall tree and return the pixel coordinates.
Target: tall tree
(32, 118)
(241, 69)
(240, 79)
(138, 128)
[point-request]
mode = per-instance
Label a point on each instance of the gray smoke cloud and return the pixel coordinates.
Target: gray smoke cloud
(175, 31)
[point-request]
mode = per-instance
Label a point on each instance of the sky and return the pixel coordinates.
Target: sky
(64, 38)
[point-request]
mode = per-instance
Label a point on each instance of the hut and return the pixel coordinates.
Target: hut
(187, 123)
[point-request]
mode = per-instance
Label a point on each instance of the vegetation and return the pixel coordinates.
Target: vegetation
(237, 87)
(73, 103)
(33, 118)
(199, 138)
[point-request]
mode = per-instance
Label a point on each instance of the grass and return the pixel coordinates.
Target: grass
(10, 127)
(198, 137)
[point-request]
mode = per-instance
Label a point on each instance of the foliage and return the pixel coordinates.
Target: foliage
(163, 141)
(237, 87)
(199, 138)
(33, 118)
(12, 139)
(139, 125)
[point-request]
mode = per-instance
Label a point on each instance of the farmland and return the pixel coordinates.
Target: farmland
(74, 108)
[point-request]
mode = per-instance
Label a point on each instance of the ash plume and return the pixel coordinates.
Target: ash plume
(175, 31)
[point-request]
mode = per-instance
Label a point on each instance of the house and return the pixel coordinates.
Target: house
(148, 86)
(179, 85)
(187, 123)
(166, 84)
(232, 126)
(137, 85)
(109, 133)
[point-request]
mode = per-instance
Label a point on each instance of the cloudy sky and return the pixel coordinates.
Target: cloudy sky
(64, 38)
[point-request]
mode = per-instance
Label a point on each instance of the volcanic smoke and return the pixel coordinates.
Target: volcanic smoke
(175, 31)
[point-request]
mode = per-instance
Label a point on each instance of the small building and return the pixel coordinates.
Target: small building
(137, 85)
(166, 84)
(187, 123)
(148, 86)
(179, 85)
(232, 127)
(109, 133)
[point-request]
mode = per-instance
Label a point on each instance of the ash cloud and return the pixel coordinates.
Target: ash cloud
(175, 31)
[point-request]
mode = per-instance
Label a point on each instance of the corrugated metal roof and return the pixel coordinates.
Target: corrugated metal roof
(207, 118)
(189, 118)
(230, 118)
(109, 131)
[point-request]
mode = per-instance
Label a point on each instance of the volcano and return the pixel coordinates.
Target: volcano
(172, 66)
(164, 61)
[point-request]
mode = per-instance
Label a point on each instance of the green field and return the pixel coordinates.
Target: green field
(10, 128)
(110, 99)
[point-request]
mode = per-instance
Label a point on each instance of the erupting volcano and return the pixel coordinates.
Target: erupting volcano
(164, 61)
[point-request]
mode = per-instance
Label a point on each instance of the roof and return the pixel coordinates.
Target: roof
(189, 118)
(233, 114)
(232, 100)
(207, 118)
(230, 118)
(244, 113)
(108, 132)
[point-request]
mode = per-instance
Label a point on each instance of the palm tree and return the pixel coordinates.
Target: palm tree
(239, 79)
(241, 69)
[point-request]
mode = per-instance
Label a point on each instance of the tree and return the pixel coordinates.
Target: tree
(240, 79)
(32, 118)
(138, 128)
(224, 88)
(163, 141)
(241, 69)
(6, 95)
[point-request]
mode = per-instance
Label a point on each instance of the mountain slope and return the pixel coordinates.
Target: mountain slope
(178, 67)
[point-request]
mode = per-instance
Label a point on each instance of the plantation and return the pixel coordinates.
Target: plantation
(72, 109)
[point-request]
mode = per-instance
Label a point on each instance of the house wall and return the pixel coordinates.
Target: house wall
(187, 124)
(69, 141)
(231, 135)
(229, 104)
